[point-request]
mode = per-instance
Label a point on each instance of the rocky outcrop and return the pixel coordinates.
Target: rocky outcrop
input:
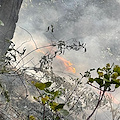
(9, 10)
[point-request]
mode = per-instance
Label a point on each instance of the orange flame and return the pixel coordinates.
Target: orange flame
(67, 64)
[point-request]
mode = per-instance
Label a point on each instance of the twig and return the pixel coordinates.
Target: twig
(30, 53)
(99, 88)
(30, 35)
(43, 112)
(100, 99)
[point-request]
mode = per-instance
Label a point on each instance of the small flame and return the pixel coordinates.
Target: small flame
(67, 64)
(38, 50)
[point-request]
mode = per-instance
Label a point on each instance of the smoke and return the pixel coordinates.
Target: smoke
(94, 22)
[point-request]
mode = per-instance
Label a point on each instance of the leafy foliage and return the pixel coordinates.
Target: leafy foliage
(48, 97)
(32, 118)
(77, 97)
(107, 76)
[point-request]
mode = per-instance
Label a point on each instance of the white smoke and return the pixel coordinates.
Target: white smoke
(94, 22)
